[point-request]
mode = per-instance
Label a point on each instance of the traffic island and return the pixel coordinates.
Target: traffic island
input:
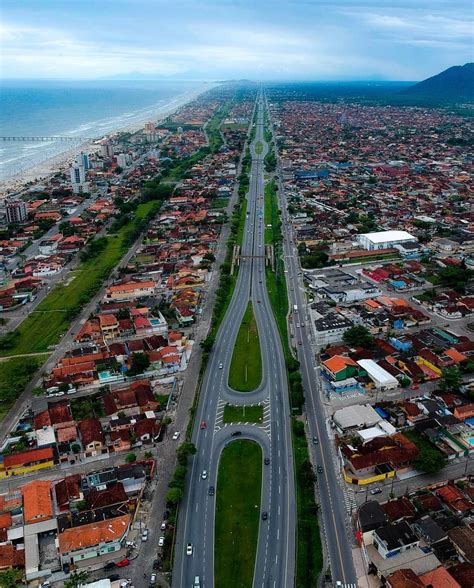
(245, 373)
(238, 495)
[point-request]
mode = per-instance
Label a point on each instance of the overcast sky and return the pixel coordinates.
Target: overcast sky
(217, 39)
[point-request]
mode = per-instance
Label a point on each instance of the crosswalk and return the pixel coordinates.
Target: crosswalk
(265, 424)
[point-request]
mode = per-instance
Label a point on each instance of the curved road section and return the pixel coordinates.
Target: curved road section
(275, 557)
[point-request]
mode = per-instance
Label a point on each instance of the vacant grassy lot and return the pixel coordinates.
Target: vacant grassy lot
(238, 494)
(245, 372)
(243, 414)
(14, 375)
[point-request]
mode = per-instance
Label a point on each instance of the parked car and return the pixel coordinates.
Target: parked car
(163, 526)
(156, 564)
(221, 365)
(315, 440)
(123, 563)
(145, 535)
(109, 566)
(176, 435)
(376, 491)
(161, 541)
(153, 579)
(203, 425)
(113, 577)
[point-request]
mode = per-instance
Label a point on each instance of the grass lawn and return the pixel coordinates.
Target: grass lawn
(238, 495)
(14, 376)
(162, 399)
(309, 561)
(258, 147)
(243, 414)
(241, 228)
(270, 213)
(219, 203)
(245, 372)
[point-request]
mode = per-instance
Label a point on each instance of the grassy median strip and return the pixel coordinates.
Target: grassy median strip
(238, 495)
(309, 561)
(258, 147)
(245, 372)
(243, 414)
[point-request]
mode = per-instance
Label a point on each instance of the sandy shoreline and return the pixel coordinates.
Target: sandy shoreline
(52, 165)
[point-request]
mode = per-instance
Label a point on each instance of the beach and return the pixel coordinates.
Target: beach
(41, 171)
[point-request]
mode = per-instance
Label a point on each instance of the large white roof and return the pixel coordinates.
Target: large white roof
(376, 372)
(383, 236)
(360, 415)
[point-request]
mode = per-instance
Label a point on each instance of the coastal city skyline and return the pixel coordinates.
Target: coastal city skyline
(336, 40)
(236, 294)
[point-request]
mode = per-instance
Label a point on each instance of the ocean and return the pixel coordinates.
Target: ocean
(76, 109)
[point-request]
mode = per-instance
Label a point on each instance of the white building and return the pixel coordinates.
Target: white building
(123, 160)
(78, 179)
(384, 239)
(83, 159)
(380, 377)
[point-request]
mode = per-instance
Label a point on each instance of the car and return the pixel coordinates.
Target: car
(109, 566)
(376, 491)
(189, 549)
(197, 582)
(72, 391)
(156, 564)
(221, 365)
(176, 435)
(204, 474)
(211, 491)
(203, 425)
(258, 301)
(320, 469)
(414, 387)
(145, 535)
(302, 324)
(161, 541)
(236, 433)
(300, 343)
(315, 440)
(166, 515)
(153, 579)
(123, 563)
(266, 461)
(163, 526)
(260, 281)
(113, 577)
(264, 515)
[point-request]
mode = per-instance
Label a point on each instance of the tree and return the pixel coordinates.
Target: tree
(358, 336)
(131, 458)
(451, 379)
(140, 363)
(76, 579)
(148, 454)
(173, 496)
(10, 578)
(184, 451)
(75, 447)
(455, 277)
(429, 461)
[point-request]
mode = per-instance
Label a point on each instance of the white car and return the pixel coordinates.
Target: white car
(221, 365)
(204, 474)
(161, 541)
(163, 526)
(176, 435)
(145, 535)
(189, 549)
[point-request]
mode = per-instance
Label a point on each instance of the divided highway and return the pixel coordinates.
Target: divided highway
(331, 498)
(275, 558)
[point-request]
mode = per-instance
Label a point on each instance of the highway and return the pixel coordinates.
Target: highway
(275, 558)
(331, 498)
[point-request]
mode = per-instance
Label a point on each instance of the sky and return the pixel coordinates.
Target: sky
(229, 39)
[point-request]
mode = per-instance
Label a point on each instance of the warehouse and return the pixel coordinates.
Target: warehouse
(384, 239)
(380, 377)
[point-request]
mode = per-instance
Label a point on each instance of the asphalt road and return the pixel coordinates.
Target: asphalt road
(275, 560)
(331, 498)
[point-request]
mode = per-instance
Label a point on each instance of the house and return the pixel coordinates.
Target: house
(11, 557)
(393, 539)
(92, 436)
(26, 461)
(67, 490)
(463, 539)
(429, 529)
(131, 290)
(93, 540)
(339, 367)
(404, 578)
(37, 501)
